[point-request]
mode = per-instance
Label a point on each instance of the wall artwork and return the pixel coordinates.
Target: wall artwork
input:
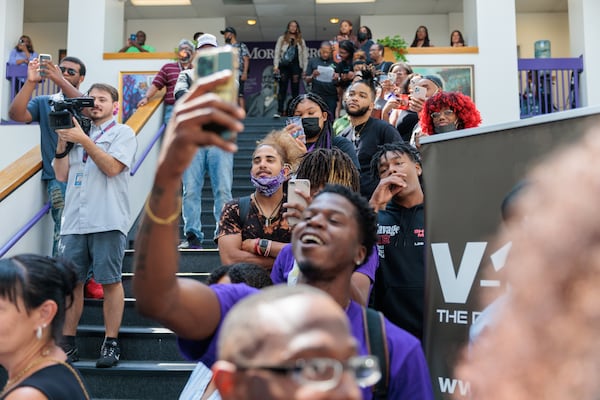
(456, 78)
(133, 86)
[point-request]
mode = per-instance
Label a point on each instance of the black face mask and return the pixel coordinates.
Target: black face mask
(311, 127)
(228, 40)
(362, 36)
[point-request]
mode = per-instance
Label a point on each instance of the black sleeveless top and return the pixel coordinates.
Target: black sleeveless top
(56, 382)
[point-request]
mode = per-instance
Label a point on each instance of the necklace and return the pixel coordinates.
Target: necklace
(37, 361)
(270, 218)
(356, 139)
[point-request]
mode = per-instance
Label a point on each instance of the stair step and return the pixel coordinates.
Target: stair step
(190, 260)
(137, 343)
(136, 379)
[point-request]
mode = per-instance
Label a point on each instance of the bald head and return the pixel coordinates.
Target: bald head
(265, 325)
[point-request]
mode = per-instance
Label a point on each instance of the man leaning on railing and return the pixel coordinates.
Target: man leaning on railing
(67, 76)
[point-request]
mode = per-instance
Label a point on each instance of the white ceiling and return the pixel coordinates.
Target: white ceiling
(273, 15)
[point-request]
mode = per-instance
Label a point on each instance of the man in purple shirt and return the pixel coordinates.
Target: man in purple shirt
(337, 232)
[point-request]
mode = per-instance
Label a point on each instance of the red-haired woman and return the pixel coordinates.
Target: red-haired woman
(447, 112)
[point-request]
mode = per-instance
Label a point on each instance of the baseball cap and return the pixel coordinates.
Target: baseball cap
(207, 40)
(436, 80)
(229, 29)
(185, 43)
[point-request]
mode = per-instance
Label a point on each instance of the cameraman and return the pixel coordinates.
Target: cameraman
(68, 76)
(97, 215)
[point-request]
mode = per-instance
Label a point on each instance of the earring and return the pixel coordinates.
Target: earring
(38, 333)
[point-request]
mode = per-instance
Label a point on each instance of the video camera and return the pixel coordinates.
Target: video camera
(63, 111)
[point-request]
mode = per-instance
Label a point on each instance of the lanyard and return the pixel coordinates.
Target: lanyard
(102, 132)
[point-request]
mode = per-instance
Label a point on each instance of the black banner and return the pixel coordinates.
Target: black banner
(467, 175)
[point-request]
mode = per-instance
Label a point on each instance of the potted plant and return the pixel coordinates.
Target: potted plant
(397, 44)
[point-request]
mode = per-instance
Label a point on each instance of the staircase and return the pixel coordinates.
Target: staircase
(150, 366)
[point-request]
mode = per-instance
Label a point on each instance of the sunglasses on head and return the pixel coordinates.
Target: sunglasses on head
(70, 71)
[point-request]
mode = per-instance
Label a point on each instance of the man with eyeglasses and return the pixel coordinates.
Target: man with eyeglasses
(337, 233)
(311, 353)
(68, 75)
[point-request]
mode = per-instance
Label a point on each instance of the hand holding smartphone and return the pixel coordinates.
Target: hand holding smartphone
(298, 122)
(302, 185)
(419, 92)
(133, 37)
(211, 60)
(44, 58)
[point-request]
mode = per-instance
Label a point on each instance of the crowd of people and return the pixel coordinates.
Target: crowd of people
(357, 242)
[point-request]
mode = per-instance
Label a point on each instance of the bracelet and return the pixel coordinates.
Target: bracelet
(268, 249)
(256, 247)
(158, 220)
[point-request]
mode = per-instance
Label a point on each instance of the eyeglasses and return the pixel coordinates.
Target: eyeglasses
(70, 71)
(446, 113)
(324, 374)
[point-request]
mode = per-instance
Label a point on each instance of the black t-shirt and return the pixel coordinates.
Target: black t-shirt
(56, 382)
(372, 135)
(323, 89)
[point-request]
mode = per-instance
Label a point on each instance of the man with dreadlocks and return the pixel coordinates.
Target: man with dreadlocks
(368, 133)
(322, 167)
(398, 199)
(316, 122)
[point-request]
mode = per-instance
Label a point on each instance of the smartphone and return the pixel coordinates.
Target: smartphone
(298, 122)
(303, 185)
(419, 92)
(133, 37)
(403, 99)
(44, 57)
(214, 59)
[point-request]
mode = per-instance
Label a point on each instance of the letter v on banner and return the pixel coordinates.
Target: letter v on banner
(457, 286)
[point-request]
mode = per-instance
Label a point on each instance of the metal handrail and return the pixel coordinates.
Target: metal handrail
(46, 208)
(548, 85)
(17, 236)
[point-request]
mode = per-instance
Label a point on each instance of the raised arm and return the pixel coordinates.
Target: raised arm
(18, 108)
(188, 307)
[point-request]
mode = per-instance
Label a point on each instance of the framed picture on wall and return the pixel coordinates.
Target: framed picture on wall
(456, 78)
(133, 86)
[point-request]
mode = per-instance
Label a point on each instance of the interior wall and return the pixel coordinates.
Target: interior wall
(406, 26)
(47, 37)
(165, 34)
(550, 26)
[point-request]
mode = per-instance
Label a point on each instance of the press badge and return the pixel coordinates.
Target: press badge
(78, 179)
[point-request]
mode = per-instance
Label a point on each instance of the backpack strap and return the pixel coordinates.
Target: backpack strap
(244, 210)
(377, 345)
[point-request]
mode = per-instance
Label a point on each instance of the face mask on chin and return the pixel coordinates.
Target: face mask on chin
(268, 185)
(446, 128)
(311, 127)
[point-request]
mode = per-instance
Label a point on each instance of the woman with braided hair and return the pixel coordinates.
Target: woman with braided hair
(317, 125)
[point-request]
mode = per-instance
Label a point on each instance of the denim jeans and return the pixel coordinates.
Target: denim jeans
(219, 166)
(56, 195)
(168, 112)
